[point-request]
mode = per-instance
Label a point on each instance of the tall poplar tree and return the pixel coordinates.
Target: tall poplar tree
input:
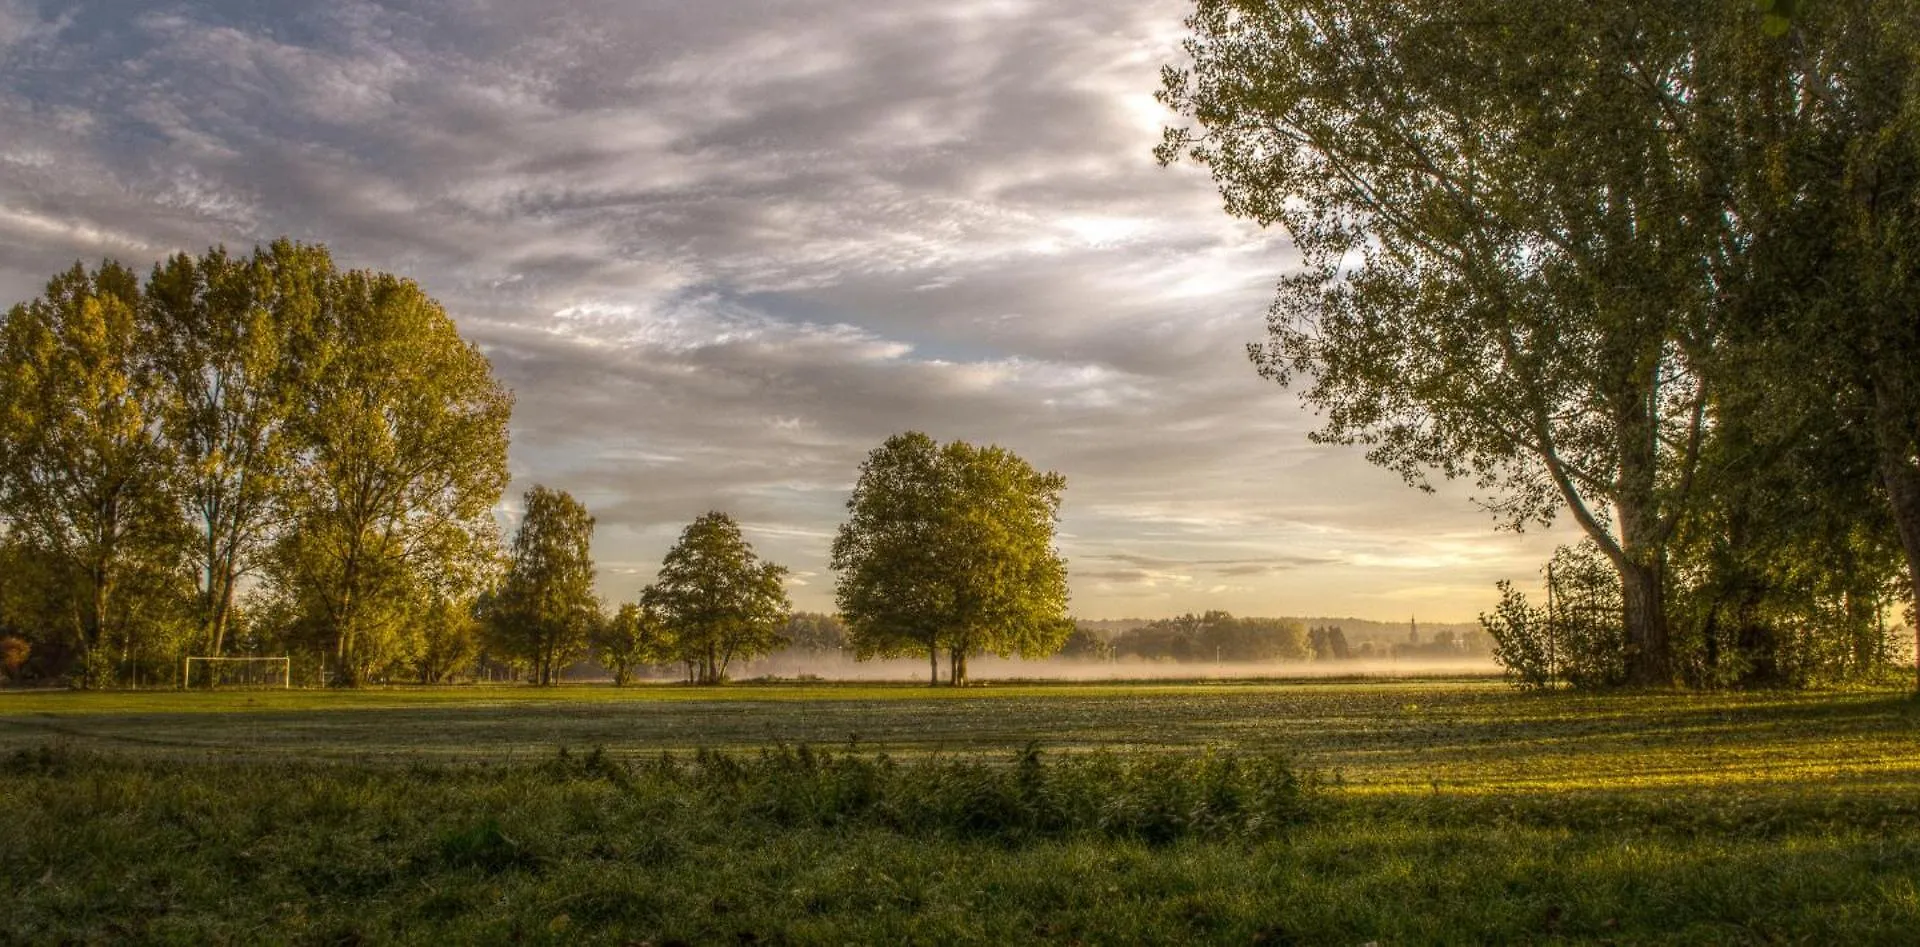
(231, 337)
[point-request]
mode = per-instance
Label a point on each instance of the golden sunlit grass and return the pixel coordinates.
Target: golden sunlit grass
(1447, 812)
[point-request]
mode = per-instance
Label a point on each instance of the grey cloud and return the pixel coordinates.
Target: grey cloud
(721, 250)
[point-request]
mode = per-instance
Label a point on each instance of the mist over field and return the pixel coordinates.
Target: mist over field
(987, 669)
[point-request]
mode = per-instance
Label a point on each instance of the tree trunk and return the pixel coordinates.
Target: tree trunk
(1649, 657)
(933, 662)
(1642, 558)
(223, 610)
(957, 666)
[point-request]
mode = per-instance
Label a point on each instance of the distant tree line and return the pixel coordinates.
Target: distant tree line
(1648, 267)
(1215, 636)
(1218, 636)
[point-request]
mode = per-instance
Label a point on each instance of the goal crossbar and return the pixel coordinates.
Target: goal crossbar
(284, 662)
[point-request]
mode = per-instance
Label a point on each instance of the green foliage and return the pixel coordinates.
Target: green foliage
(14, 651)
(446, 640)
(1085, 643)
(231, 338)
(951, 547)
(635, 636)
(815, 633)
(87, 481)
(717, 600)
(1216, 636)
(403, 441)
(1576, 639)
(545, 611)
(1824, 357)
(1704, 326)
(1329, 642)
(161, 442)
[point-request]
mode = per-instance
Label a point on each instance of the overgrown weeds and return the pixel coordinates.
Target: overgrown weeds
(1151, 798)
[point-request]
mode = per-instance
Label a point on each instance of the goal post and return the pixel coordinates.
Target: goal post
(238, 672)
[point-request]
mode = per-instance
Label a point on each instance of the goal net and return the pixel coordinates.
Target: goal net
(238, 672)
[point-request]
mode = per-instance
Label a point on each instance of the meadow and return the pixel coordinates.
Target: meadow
(1252, 812)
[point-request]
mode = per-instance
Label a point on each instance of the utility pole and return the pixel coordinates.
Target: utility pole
(1553, 638)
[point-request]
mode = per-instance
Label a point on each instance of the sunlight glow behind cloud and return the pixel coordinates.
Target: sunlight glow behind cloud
(720, 251)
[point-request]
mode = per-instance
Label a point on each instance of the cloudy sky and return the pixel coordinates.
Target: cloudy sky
(721, 250)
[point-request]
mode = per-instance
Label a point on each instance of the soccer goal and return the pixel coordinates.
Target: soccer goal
(238, 672)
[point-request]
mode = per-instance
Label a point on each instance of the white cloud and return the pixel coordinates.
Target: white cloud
(720, 251)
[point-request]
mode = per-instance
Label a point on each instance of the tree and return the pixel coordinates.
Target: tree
(402, 442)
(632, 638)
(815, 633)
(1328, 643)
(1515, 232)
(1839, 127)
(448, 640)
(85, 475)
(1084, 643)
(717, 599)
(230, 339)
(951, 548)
(545, 609)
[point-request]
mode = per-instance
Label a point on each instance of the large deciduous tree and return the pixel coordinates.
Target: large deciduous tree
(1516, 237)
(402, 439)
(86, 479)
(1839, 134)
(950, 547)
(545, 609)
(717, 599)
(230, 337)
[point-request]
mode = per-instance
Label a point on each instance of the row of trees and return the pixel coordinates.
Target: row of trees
(946, 548)
(713, 601)
(1215, 636)
(1648, 266)
(325, 440)
(231, 419)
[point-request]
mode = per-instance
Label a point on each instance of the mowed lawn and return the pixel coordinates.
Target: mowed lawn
(1434, 811)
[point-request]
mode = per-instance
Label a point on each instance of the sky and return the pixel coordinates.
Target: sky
(720, 251)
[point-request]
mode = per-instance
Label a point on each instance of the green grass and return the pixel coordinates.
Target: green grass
(1445, 812)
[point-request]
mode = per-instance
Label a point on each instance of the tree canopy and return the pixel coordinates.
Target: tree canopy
(403, 438)
(236, 415)
(950, 547)
(545, 611)
(1546, 246)
(717, 600)
(87, 480)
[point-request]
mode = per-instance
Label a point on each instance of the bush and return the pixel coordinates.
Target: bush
(1579, 640)
(1151, 798)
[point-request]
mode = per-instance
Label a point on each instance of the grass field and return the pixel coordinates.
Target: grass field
(1436, 811)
